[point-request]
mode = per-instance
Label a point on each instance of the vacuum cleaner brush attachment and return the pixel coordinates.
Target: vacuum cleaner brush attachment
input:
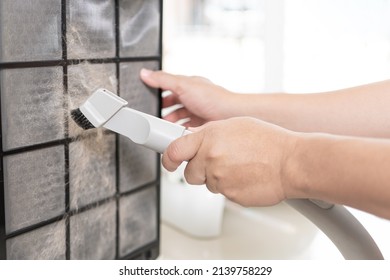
(80, 119)
(105, 109)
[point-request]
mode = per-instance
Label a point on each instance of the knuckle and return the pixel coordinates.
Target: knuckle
(213, 154)
(233, 195)
(214, 181)
(230, 193)
(189, 176)
(192, 180)
(194, 175)
(211, 188)
(200, 79)
(178, 87)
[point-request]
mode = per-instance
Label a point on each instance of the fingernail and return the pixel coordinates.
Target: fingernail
(145, 72)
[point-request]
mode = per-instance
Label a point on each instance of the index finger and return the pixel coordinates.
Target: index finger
(160, 79)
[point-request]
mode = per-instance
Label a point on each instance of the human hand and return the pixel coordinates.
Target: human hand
(202, 100)
(242, 158)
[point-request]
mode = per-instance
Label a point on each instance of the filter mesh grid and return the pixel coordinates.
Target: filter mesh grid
(66, 193)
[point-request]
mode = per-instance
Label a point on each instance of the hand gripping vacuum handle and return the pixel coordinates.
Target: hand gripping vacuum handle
(106, 109)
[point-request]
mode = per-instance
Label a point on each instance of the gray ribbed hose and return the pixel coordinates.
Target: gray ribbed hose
(343, 229)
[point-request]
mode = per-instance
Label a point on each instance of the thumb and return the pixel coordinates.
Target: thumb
(182, 149)
(160, 79)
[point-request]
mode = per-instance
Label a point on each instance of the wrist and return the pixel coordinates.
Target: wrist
(234, 105)
(295, 179)
(229, 104)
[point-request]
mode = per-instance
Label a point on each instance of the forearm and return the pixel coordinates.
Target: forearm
(359, 111)
(342, 170)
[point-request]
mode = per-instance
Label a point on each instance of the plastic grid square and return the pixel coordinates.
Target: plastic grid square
(45, 243)
(34, 187)
(138, 220)
(139, 27)
(92, 233)
(92, 168)
(34, 34)
(27, 94)
(91, 29)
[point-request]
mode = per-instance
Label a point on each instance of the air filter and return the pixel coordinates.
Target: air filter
(66, 193)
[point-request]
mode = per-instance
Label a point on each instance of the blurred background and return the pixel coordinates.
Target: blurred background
(272, 45)
(255, 46)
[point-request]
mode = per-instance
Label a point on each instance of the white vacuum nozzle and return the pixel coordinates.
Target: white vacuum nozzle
(101, 106)
(104, 108)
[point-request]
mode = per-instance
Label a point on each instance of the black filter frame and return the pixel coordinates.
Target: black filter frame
(148, 251)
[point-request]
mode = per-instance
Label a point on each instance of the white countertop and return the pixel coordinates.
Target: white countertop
(277, 232)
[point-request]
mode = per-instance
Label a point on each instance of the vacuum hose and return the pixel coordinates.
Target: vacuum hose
(343, 229)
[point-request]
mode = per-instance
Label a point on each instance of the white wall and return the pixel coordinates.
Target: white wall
(273, 45)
